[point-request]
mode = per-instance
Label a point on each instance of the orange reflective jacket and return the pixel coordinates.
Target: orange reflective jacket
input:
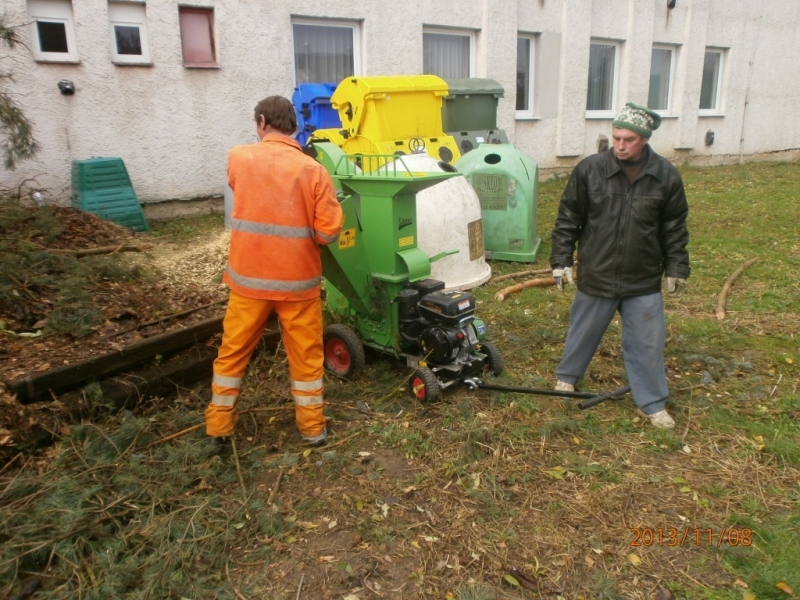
(284, 204)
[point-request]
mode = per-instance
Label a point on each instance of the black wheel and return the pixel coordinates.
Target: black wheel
(425, 386)
(494, 362)
(343, 350)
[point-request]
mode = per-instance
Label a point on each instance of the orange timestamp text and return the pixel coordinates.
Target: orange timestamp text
(671, 536)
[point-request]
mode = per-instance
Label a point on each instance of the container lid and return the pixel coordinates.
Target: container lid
(473, 86)
(364, 87)
(309, 92)
(352, 94)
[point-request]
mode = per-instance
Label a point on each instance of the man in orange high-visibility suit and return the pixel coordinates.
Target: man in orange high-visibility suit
(284, 205)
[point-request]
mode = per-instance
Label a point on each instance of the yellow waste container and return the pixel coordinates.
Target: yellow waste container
(392, 115)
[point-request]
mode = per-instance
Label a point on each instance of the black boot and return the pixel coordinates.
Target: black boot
(218, 445)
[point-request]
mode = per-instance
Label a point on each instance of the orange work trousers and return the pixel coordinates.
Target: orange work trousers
(301, 330)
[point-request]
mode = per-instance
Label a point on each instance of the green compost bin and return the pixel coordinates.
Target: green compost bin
(507, 184)
(102, 187)
(469, 112)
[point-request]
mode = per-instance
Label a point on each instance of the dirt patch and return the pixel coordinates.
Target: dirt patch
(57, 309)
(343, 538)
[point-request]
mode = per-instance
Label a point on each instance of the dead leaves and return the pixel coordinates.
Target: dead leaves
(634, 559)
(557, 473)
(520, 579)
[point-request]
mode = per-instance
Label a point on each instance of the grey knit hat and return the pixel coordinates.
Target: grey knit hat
(638, 119)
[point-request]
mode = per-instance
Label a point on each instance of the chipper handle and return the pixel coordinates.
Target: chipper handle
(443, 254)
(588, 399)
(612, 395)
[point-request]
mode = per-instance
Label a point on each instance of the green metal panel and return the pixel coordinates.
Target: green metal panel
(507, 184)
(417, 263)
(332, 157)
(376, 254)
(101, 186)
(345, 263)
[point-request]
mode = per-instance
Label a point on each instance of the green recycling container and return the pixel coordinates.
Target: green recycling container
(507, 183)
(469, 112)
(101, 186)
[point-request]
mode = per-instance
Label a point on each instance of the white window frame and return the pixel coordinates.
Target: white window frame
(469, 33)
(53, 11)
(717, 108)
(611, 112)
(354, 25)
(129, 14)
(673, 50)
(530, 111)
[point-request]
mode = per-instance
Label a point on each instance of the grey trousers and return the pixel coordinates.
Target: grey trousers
(643, 339)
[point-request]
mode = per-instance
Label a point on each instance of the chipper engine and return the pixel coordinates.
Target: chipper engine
(378, 284)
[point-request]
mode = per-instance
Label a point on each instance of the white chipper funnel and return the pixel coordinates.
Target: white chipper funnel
(449, 218)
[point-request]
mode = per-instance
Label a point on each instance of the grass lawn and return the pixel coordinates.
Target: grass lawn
(483, 496)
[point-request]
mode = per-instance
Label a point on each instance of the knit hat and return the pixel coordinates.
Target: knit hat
(638, 119)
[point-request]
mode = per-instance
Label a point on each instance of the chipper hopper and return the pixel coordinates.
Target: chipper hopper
(378, 283)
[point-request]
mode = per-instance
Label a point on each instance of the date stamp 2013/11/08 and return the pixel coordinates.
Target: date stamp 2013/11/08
(688, 536)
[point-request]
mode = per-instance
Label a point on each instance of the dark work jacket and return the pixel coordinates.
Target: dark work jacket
(628, 235)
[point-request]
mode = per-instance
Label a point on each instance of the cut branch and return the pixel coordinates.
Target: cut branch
(519, 274)
(175, 436)
(113, 249)
(507, 291)
(107, 250)
(723, 295)
(167, 318)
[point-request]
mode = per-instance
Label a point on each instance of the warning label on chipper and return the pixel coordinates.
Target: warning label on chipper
(347, 238)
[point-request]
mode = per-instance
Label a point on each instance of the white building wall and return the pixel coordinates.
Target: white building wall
(173, 125)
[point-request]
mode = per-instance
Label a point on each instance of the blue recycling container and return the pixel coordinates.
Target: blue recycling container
(312, 104)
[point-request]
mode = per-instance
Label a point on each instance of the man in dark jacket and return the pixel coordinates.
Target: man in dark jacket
(626, 211)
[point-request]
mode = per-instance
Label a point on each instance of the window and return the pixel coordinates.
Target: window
(324, 52)
(447, 54)
(129, 43)
(525, 48)
(601, 95)
(52, 31)
(660, 96)
(197, 36)
(712, 77)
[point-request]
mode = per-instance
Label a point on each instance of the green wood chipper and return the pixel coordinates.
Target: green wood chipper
(378, 284)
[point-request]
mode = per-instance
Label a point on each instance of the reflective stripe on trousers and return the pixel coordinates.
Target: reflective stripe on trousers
(301, 329)
(272, 285)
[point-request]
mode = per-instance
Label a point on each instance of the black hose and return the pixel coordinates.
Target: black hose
(614, 395)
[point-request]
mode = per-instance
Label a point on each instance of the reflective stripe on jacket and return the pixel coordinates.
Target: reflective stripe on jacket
(284, 205)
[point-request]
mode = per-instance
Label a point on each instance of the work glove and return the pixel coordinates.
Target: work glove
(561, 273)
(675, 286)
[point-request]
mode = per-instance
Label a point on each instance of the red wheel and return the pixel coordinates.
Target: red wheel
(343, 350)
(337, 355)
(424, 385)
